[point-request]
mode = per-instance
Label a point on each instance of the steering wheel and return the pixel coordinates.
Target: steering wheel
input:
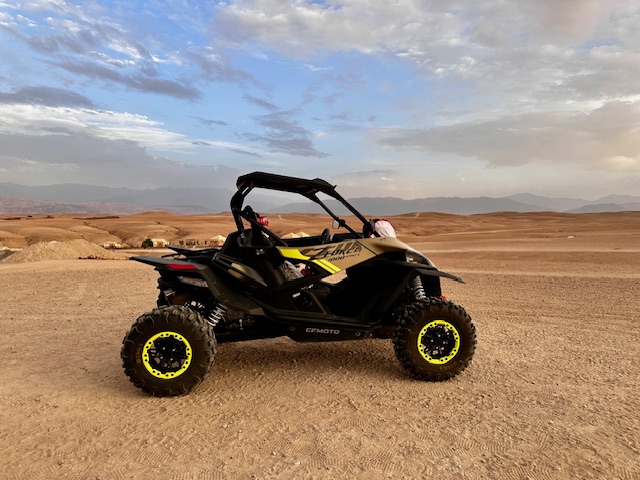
(325, 236)
(368, 229)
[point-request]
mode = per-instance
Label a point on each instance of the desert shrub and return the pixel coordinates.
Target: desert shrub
(147, 243)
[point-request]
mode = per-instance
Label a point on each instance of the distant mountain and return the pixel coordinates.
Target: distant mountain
(397, 206)
(173, 199)
(607, 207)
(77, 198)
(554, 204)
(66, 192)
(20, 206)
(618, 199)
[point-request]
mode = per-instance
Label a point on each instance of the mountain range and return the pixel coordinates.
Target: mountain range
(78, 198)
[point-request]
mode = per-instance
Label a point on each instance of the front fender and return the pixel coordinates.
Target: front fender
(434, 272)
(421, 268)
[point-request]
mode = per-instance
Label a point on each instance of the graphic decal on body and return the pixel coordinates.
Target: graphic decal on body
(332, 258)
(339, 251)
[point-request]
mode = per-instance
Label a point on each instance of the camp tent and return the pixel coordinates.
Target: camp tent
(159, 242)
(217, 240)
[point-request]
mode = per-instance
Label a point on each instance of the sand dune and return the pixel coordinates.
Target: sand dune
(435, 228)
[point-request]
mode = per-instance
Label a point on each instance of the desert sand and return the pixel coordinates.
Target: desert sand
(553, 391)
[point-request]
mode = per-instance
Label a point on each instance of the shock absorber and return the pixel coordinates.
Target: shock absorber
(217, 314)
(418, 288)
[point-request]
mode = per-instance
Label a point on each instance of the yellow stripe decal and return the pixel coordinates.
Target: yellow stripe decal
(328, 266)
(292, 253)
(335, 268)
(295, 254)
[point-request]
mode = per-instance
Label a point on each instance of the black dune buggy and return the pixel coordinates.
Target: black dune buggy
(258, 285)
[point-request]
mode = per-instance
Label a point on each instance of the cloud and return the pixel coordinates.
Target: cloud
(299, 29)
(510, 53)
(605, 136)
(102, 43)
(566, 20)
(366, 175)
(260, 103)
(80, 30)
(49, 96)
(83, 158)
(382, 183)
(285, 135)
(139, 82)
(408, 83)
(209, 122)
(414, 28)
(245, 152)
(215, 68)
(38, 119)
(60, 125)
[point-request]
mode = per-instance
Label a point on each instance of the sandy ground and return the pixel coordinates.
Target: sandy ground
(553, 391)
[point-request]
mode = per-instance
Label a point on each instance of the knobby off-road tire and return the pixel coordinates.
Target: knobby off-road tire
(162, 301)
(168, 351)
(435, 339)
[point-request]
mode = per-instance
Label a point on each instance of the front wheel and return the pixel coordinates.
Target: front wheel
(168, 351)
(435, 339)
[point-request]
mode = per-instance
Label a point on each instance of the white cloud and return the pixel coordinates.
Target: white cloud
(517, 53)
(509, 84)
(39, 120)
(82, 159)
(597, 139)
(576, 20)
(624, 163)
(44, 145)
(300, 28)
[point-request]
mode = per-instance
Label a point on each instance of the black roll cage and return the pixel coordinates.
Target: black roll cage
(306, 188)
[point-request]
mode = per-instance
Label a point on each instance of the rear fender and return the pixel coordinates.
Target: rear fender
(225, 295)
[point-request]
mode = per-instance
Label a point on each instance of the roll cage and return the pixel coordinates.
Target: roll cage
(307, 188)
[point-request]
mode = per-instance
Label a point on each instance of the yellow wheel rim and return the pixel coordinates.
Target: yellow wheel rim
(167, 355)
(438, 342)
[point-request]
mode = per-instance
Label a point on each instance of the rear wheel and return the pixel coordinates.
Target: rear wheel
(435, 339)
(168, 351)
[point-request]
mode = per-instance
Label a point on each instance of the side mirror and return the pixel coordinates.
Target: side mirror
(335, 224)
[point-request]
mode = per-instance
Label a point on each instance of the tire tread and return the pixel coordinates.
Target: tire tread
(177, 317)
(409, 320)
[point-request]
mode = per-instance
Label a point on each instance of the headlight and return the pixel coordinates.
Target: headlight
(414, 256)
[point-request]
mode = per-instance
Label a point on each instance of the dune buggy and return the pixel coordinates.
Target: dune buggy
(349, 283)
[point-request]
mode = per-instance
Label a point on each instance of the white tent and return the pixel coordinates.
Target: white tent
(217, 240)
(159, 242)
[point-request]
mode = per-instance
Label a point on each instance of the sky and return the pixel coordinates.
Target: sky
(403, 98)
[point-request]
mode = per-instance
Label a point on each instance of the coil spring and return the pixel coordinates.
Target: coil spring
(418, 289)
(217, 315)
